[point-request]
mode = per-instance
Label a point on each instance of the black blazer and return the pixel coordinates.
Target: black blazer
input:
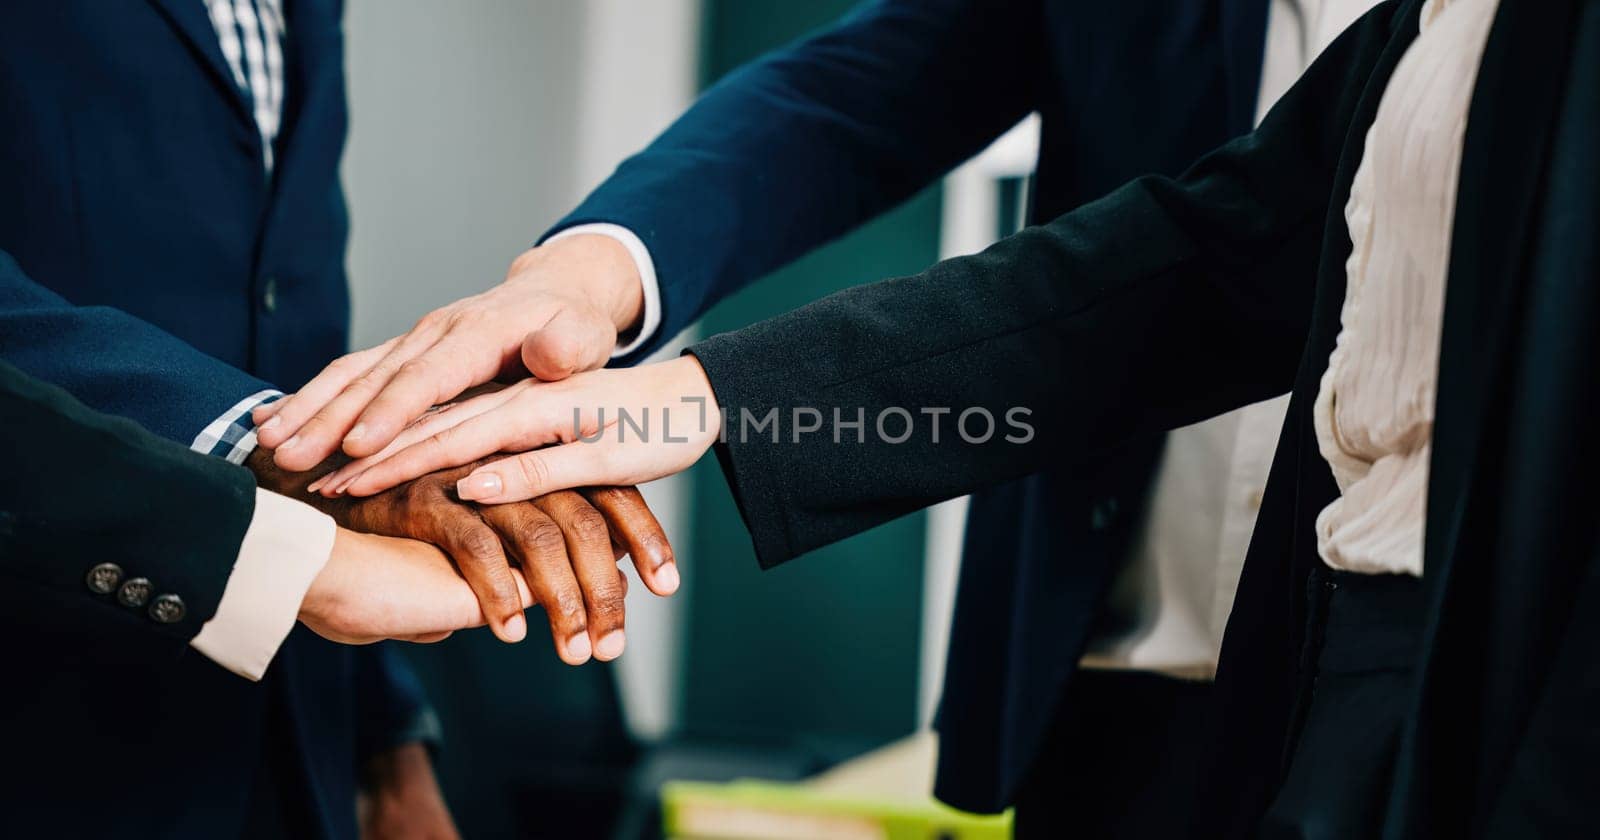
(84, 488)
(814, 139)
(104, 711)
(1173, 300)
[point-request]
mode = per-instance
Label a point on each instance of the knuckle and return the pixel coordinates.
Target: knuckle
(344, 364)
(371, 380)
(417, 367)
(546, 538)
(461, 317)
(431, 320)
(588, 526)
(657, 547)
(480, 544)
(608, 602)
(442, 438)
(532, 470)
(568, 606)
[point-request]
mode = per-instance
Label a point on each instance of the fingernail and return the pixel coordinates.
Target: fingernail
(667, 577)
(478, 486)
(610, 646)
(272, 423)
(516, 628)
(289, 444)
(357, 433)
(315, 485)
(578, 647)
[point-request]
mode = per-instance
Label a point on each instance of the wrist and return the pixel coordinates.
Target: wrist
(323, 599)
(610, 277)
(398, 770)
(692, 381)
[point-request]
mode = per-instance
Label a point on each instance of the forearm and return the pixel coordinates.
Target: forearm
(1169, 301)
(114, 362)
(811, 140)
(985, 368)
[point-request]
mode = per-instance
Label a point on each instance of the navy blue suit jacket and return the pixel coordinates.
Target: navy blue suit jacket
(149, 267)
(809, 142)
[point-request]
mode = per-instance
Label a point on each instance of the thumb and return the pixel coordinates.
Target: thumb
(575, 339)
(536, 473)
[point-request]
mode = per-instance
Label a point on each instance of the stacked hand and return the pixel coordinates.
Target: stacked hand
(417, 470)
(607, 426)
(565, 546)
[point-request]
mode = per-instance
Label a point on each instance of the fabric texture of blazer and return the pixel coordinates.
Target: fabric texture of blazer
(1172, 300)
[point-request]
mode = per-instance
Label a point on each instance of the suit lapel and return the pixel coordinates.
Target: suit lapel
(193, 25)
(1509, 128)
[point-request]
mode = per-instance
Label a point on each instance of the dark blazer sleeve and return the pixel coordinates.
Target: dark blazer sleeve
(1168, 301)
(114, 362)
(82, 488)
(807, 142)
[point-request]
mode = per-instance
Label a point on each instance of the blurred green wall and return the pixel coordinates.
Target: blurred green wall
(824, 648)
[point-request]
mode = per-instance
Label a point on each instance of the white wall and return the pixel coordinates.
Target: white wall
(473, 127)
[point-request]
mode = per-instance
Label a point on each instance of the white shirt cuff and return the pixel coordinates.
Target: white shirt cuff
(284, 549)
(650, 320)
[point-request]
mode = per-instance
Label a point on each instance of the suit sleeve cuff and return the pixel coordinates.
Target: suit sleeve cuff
(650, 320)
(286, 546)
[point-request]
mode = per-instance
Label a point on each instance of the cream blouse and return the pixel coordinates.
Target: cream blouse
(1374, 409)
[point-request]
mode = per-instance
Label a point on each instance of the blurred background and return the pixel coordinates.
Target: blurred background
(474, 127)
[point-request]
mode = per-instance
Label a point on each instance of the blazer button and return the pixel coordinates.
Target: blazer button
(103, 579)
(134, 592)
(167, 609)
(269, 295)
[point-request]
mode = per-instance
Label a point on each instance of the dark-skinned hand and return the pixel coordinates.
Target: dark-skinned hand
(567, 544)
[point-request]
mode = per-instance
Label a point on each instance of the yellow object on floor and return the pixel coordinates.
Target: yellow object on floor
(882, 795)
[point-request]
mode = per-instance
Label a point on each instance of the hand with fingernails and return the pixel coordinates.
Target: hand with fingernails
(566, 545)
(558, 312)
(568, 435)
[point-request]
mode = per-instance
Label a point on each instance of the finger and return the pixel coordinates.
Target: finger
(265, 411)
(336, 482)
(553, 468)
(635, 527)
(539, 545)
(481, 558)
(291, 412)
(589, 549)
(322, 434)
(427, 638)
(473, 438)
(436, 375)
(574, 339)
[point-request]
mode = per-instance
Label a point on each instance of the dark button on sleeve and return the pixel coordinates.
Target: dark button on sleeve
(103, 578)
(135, 592)
(167, 609)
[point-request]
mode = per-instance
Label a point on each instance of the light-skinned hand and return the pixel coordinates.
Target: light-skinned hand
(558, 312)
(569, 433)
(374, 588)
